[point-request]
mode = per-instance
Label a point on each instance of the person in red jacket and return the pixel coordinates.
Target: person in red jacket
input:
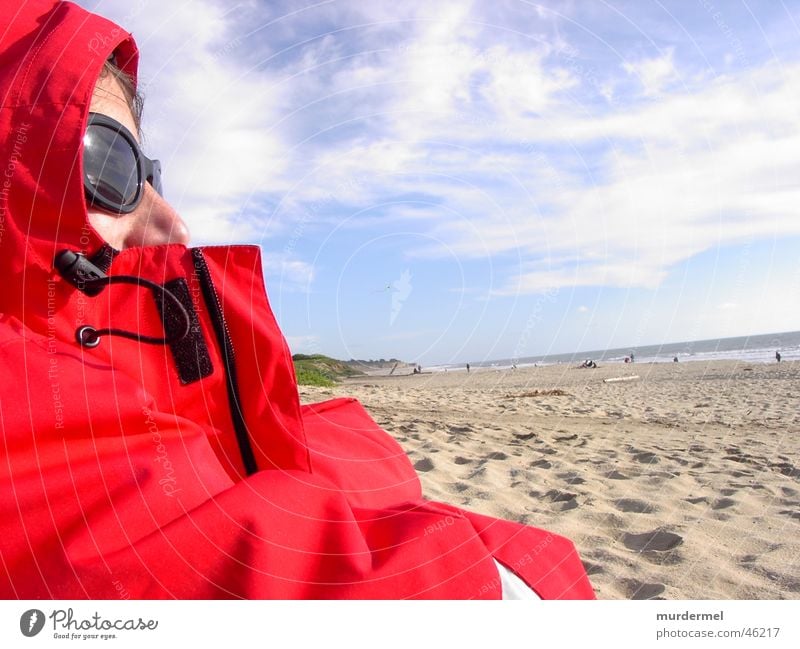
(153, 442)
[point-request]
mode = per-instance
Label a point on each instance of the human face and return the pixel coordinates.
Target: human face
(154, 221)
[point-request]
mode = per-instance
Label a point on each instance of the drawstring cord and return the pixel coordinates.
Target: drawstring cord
(88, 278)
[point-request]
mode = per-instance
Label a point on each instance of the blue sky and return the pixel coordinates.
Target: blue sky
(459, 181)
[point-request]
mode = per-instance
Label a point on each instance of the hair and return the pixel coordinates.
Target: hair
(134, 98)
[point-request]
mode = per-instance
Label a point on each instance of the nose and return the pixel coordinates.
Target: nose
(155, 222)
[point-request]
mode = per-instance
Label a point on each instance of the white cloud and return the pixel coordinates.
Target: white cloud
(504, 146)
(292, 274)
(654, 74)
(206, 117)
(695, 170)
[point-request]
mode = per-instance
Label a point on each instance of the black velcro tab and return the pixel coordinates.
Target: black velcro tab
(190, 353)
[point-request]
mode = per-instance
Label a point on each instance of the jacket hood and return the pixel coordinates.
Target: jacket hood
(51, 55)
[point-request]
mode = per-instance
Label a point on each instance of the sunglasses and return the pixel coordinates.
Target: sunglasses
(114, 167)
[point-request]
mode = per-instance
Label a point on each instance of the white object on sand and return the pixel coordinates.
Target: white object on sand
(619, 379)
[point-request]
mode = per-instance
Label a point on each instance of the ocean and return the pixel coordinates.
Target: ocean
(752, 349)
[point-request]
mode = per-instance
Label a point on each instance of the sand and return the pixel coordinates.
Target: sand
(681, 484)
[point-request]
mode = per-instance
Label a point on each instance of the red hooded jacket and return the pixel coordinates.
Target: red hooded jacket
(188, 469)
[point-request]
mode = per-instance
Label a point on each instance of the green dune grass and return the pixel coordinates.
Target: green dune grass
(321, 370)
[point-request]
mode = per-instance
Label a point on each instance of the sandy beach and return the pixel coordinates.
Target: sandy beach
(683, 483)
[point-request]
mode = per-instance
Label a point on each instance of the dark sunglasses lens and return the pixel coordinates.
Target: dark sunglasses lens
(110, 165)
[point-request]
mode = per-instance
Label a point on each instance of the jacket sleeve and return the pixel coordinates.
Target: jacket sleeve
(119, 499)
(350, 450)
(104, 496)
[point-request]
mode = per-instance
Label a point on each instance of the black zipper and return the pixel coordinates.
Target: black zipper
(228, 356)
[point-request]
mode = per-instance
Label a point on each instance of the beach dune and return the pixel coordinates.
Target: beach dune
(682, 483)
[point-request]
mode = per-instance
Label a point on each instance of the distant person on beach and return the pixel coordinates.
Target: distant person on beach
(154, 439)
(674, 359)
(632, 357)
(778, 356)
(467, 367)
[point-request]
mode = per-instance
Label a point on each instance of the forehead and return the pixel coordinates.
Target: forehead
(109, 99)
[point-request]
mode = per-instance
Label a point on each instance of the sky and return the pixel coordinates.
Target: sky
(456, 181)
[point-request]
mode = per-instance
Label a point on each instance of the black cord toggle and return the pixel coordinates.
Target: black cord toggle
(88, 278)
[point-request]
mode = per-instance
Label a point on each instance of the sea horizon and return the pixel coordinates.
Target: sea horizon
(759, 348)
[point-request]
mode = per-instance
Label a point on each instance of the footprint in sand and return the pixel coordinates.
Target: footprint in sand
(460, 429)
(631, 505)
(616, 475)
(679, 460)
(636, 589)
(541, 464)
(566, 438)
(461, 460)
(785, 468)
(741, 485)
(496, 455)
(723, 503)
(658, 540)
(593, 568)
(646, 458)
(425, 464)
(783, 581)
(697, 500)
(524, 436)
(460, 486)
(571, 477)
(564, 499)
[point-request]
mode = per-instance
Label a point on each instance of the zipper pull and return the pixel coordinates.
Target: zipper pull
(80, 272)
